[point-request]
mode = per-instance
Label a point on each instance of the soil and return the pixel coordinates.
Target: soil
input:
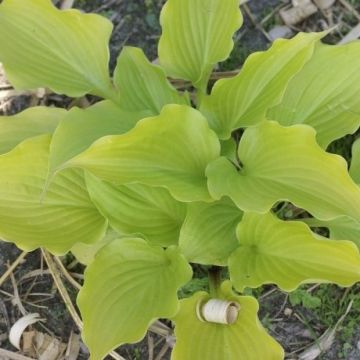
(136, 24)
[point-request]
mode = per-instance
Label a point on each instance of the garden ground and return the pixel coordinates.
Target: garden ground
(313, 317)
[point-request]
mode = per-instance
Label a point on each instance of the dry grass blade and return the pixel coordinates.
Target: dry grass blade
(68, 277)
(160, 329)
(5, 354)
(67, 4)
(349, 7)
(61, 288)
(12, 267)
(150, 347)
(34, 273)
(16, 299)
(325, 341)
(163, 351)
(352, 35)
(73, 347)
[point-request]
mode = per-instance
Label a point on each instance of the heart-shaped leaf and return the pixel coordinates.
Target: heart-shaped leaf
(67, 51)
(135, 283)
(197, 34)
(142, 85)
(288, 254)
(286, 163)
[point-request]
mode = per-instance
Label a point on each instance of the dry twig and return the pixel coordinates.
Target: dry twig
(68, 277)
(5, 354)
(12, 267)
(163, 351)
(150, 347)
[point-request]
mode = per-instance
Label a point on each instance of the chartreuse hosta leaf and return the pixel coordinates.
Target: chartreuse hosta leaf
(80, 128)
(135, 283)
(344, 227)
(229, 149)
(65, 217)
(142, 85)
(85, 253)
(197, 34)
(286, 163)
(355, 162)
(244, 99)
(341, 228)
(246, 339)
(171, 150)
(66, 51)
(288, 253)
(137, 208)
(208, 235)
(31, 122)
(325, 93)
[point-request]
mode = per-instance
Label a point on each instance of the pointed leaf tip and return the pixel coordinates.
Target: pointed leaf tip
(244, 100)
(143, 85)
(196, 35)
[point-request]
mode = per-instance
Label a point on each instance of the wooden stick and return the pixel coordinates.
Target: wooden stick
(12, 267)
(69, 278)
(163, 351)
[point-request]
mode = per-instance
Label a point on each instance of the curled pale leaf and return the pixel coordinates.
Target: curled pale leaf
(245, 339)
(67, 51)
(286, 163)
(288, 253)
(324, 94)
(19, 327)
(135, 283)
(196, 34)
(171, 150)
(31, 122)
(244, 99)
(66, 215)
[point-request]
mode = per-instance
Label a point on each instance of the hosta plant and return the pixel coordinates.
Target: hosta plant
(150, 180)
